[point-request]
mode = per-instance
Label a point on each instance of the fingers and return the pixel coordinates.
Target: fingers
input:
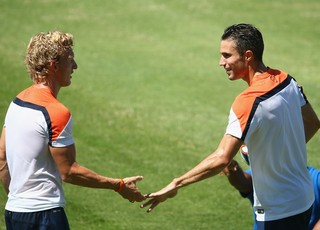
(139, 197)
(147, 203)
(153, 203)
(131, 193)
(154, 194)
(149, 195)
(136, 197)
(138, 178)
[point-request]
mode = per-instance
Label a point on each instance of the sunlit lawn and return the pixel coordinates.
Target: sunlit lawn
(149, 97)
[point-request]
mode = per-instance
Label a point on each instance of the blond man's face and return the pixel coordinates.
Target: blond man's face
(64, 68)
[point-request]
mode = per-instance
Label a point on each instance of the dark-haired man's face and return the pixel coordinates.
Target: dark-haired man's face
(234, 64)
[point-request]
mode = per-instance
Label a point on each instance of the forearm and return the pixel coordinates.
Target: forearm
(4, 170)
(5, 175)
(73, 173)
(210, 166)
(79, 175)
(310, 120)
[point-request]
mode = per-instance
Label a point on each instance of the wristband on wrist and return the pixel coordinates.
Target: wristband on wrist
(121, 185)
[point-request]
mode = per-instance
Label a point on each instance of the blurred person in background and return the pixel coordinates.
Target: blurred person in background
(242, 181)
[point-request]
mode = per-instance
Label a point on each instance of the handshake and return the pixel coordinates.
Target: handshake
(128, 190)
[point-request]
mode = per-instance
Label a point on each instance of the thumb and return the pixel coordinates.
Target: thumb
(138, 178)
(149, 195)
(133, 179)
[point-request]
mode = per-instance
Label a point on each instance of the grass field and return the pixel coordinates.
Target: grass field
(149, 97)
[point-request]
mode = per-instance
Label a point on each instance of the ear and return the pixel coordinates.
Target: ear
(53, 66)
(248, 55)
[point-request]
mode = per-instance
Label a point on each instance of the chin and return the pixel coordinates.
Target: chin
(67, 84)
(232, 78)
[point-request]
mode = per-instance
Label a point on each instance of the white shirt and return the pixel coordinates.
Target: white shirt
(267, 117)
(35, 120)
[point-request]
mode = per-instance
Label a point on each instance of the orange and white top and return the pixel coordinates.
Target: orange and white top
(267, 117)
(35, 119)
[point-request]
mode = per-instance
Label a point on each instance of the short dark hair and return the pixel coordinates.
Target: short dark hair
(246, 37)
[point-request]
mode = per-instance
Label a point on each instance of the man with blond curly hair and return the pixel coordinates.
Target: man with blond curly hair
(37, 149)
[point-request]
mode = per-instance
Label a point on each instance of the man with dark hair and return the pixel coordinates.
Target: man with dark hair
(274, 119)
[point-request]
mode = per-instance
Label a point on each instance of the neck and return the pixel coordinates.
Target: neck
(255, 70)
(261, 68)
(54, 90)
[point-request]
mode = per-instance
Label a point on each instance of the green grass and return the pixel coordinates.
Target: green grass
(149, 97)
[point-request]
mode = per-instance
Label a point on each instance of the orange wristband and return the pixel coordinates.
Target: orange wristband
(120, 186)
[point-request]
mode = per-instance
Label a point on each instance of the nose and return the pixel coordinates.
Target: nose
(222, 61)
(75, 65)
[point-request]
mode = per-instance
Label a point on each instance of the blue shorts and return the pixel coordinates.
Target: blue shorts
(297, 222)
(52, 219)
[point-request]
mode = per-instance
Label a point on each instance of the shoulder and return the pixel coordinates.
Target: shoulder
(55, 113)
(243, 103)
(42, 97)
(58, 112)
(261, 86)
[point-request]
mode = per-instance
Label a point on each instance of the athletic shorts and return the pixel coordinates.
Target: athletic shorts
(52, 219)
(297, 222)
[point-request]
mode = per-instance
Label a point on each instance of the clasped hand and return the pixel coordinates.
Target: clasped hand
(162, 195)
(131, 193)
(130, 190)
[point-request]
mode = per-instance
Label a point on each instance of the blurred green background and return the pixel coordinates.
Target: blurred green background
(149, 97)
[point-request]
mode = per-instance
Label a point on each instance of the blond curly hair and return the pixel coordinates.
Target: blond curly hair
(44, 48)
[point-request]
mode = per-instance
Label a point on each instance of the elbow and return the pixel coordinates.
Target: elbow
(223, 161)
(69, 173)
(67, 176)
